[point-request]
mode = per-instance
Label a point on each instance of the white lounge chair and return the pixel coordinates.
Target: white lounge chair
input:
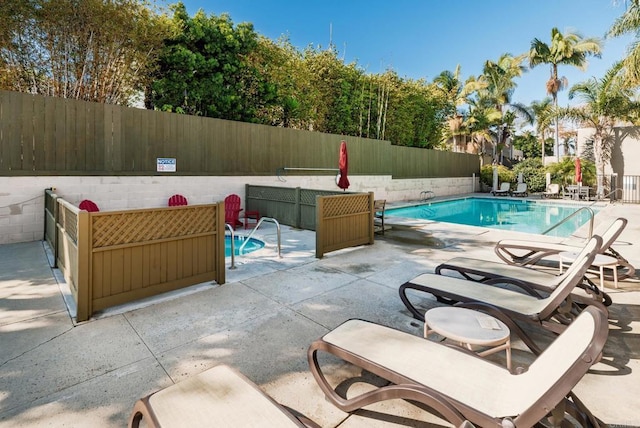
(551, 312)
(219, 397)
(503, 190)
(531, 253)
(552, 191)
(521, 190)
(460, 386)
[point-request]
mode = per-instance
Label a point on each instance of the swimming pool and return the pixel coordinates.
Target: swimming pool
(253, 245)
(507, 214)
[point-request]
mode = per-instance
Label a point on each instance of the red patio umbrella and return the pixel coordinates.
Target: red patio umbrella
(343, 165)
(578, 176)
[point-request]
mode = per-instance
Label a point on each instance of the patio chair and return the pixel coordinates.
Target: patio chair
(219, 397)
(534, 282)
(503, 190)
(532, 253)
(177, 200)
(88, 205)
(552, 191)
(456, 384)
(552, 312)
(521, 190)
(232, 210)
(378, 207)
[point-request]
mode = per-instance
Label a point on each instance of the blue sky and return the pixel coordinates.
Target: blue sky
(421, 38)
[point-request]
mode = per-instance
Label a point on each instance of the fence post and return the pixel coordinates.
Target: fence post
(298, 208)
(372, 213)
(84, 242)
(319, 226)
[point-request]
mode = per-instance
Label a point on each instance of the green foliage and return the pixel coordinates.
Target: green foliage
(532, 173)
(563, 172)
(204, 70)
(92, 50)
(504, 174)
(529, 143)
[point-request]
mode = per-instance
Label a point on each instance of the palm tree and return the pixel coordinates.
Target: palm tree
(456, 94)
(605, 103)
(569, 49)
(543, 113)
(629, 22)
(498, 78)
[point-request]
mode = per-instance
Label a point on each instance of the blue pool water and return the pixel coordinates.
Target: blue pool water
(508, 214)
(238, 240)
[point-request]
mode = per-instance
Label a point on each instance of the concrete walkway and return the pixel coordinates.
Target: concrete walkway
(54, 372)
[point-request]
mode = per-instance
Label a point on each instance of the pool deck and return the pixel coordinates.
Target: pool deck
(55, 372)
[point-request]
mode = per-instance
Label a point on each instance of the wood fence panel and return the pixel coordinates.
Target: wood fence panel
(343, 221)
(78, 137)
(110, 258)
(14, 123)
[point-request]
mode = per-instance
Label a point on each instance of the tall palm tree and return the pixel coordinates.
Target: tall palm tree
(499, 78)
(567, 49)
(543, 113)
(456, 94)
(605, 103)
(629, 22)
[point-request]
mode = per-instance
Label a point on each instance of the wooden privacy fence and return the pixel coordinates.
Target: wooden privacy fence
(55, 136)
(292, 206)
(343, 221)
(110, 258)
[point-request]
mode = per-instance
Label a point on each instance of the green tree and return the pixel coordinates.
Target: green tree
(456, 94)
(544, 116)
(499, 78)
(567, 49)
(605, 103)
(532, 172)
(629, 22)
(92, 50)
(529, 143)
(204, 68)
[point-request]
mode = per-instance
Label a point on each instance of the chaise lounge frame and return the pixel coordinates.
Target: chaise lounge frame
(535, 282)
(531, 253)
(458, 385)
(552, 312)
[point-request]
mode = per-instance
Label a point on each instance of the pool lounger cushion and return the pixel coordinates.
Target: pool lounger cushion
(457, 384)
(498, 273)
(219, 396)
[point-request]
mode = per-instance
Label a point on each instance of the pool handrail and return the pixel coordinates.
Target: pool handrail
(591, 216)
(269, 219)
(233, 240)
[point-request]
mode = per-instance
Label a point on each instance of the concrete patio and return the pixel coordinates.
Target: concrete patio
(55, 372)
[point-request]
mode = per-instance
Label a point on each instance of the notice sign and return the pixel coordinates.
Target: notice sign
(166, 164)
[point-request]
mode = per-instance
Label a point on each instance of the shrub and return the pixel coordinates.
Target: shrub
(563, 172)
(504, 174)
(533, 174)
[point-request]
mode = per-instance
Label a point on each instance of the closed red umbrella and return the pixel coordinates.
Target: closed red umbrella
(343, 166)
(578, 176)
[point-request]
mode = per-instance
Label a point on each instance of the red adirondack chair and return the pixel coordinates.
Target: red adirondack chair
(88, 205)
(177, 200)
(232, 210)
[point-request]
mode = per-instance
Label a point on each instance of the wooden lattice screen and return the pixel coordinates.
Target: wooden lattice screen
(343, 221)
(110, 258)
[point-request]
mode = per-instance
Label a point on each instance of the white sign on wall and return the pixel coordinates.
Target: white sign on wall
(166, 164)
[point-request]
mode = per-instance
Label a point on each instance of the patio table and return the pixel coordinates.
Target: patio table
(468, 328)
